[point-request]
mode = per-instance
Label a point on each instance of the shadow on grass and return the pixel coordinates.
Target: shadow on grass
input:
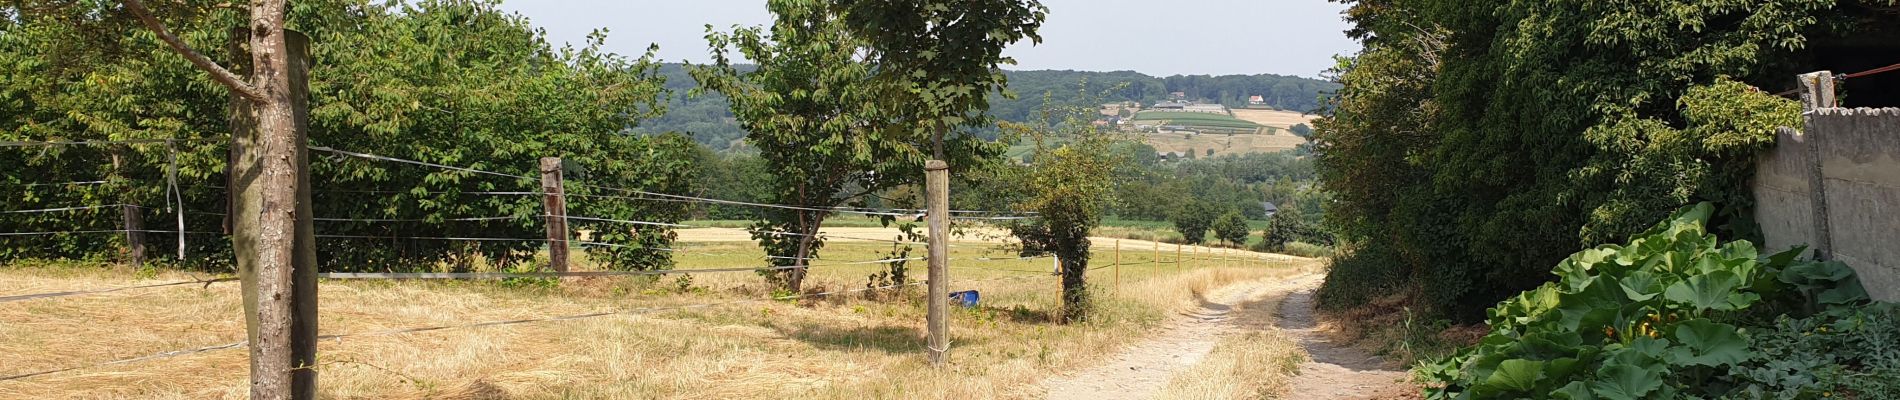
(889, 338)
(1017, 314)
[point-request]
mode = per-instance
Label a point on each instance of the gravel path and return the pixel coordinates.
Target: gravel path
(1140, 371)
(1334, 372)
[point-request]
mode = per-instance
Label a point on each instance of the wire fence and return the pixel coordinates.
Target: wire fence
(175, 204)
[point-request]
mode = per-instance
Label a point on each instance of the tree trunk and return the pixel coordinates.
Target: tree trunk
(808, 231)
(1075, 291)
(271, 210)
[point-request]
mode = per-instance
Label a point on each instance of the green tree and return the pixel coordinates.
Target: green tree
(468, 85)
(849, 98)
(1232, 228)
(1192, 219)
(1064, 187)
(1284, 227)
(938, 61)
(1302, 130)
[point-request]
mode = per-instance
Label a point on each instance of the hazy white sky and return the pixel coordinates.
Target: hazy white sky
(1156, 37)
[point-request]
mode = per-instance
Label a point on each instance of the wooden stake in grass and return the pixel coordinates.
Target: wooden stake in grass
(554, 201)
(1118, 266)
(937, 194)
(1157, 255)
(1178, 264)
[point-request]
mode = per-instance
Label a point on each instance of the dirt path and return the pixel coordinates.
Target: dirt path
(1335, 371)
(1142, 370)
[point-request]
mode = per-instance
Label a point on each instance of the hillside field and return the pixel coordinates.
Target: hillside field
(1179, 142)
(1274, 118)
(1197, 120)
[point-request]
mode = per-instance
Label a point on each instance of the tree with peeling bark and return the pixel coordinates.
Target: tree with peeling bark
(271, 196)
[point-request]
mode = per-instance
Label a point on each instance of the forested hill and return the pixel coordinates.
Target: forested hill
(709, 122)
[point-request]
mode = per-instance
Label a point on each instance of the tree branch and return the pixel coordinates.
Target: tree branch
(218, 73)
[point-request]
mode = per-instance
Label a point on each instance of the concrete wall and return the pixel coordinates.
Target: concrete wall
(1836, 188)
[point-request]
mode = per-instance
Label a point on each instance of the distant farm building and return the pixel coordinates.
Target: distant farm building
(1205, 108)
(1256, 100)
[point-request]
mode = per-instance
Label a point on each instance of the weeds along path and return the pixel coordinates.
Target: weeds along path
(1335, 371)
(1143, 370)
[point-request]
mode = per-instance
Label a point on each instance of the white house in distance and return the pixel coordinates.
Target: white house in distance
(1256, 100)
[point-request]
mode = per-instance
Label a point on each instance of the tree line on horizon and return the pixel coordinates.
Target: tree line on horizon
(708, 119)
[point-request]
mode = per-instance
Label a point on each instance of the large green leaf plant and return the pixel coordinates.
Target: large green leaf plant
(1667, 315)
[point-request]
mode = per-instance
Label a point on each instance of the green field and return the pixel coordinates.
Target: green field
(1195, 119)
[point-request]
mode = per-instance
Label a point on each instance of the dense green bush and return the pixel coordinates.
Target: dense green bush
(1672, 314)
(1489, 139)
(1356, 275)
(1231, 227)
(1192, 220)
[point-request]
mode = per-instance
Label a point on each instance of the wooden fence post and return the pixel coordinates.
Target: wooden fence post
(554, 202)
(1178, 263)
(1118, 266)
(130, 220)
(134, 234)
(1157, 258)
(937, 201)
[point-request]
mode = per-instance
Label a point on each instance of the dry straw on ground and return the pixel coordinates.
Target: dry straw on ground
(846, 348)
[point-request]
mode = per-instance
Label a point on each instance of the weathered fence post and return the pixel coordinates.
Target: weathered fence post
(270, 222)
(134, 234)
(1178, 264)
(1156, 258)
(937, 195)
(554, 201)
(1118, 266)
(1817, 91)
(130, 220)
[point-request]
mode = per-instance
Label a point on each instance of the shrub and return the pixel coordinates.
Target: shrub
(1304, 249)
(1193, 220)
(1231, 227)
(1660, 317)
(1357, 274)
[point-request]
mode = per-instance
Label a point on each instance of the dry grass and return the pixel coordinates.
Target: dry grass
(1389, 327)
(1253, 365)
(843, 347)
(1257, 363)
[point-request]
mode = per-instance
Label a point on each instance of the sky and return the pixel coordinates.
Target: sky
(1155, 37)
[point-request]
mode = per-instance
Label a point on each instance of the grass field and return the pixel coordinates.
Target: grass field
(1178, 142)
(1195, 119)
(849, 346)
(1274, 118)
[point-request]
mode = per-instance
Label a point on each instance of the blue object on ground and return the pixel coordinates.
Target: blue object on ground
(967, 298)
